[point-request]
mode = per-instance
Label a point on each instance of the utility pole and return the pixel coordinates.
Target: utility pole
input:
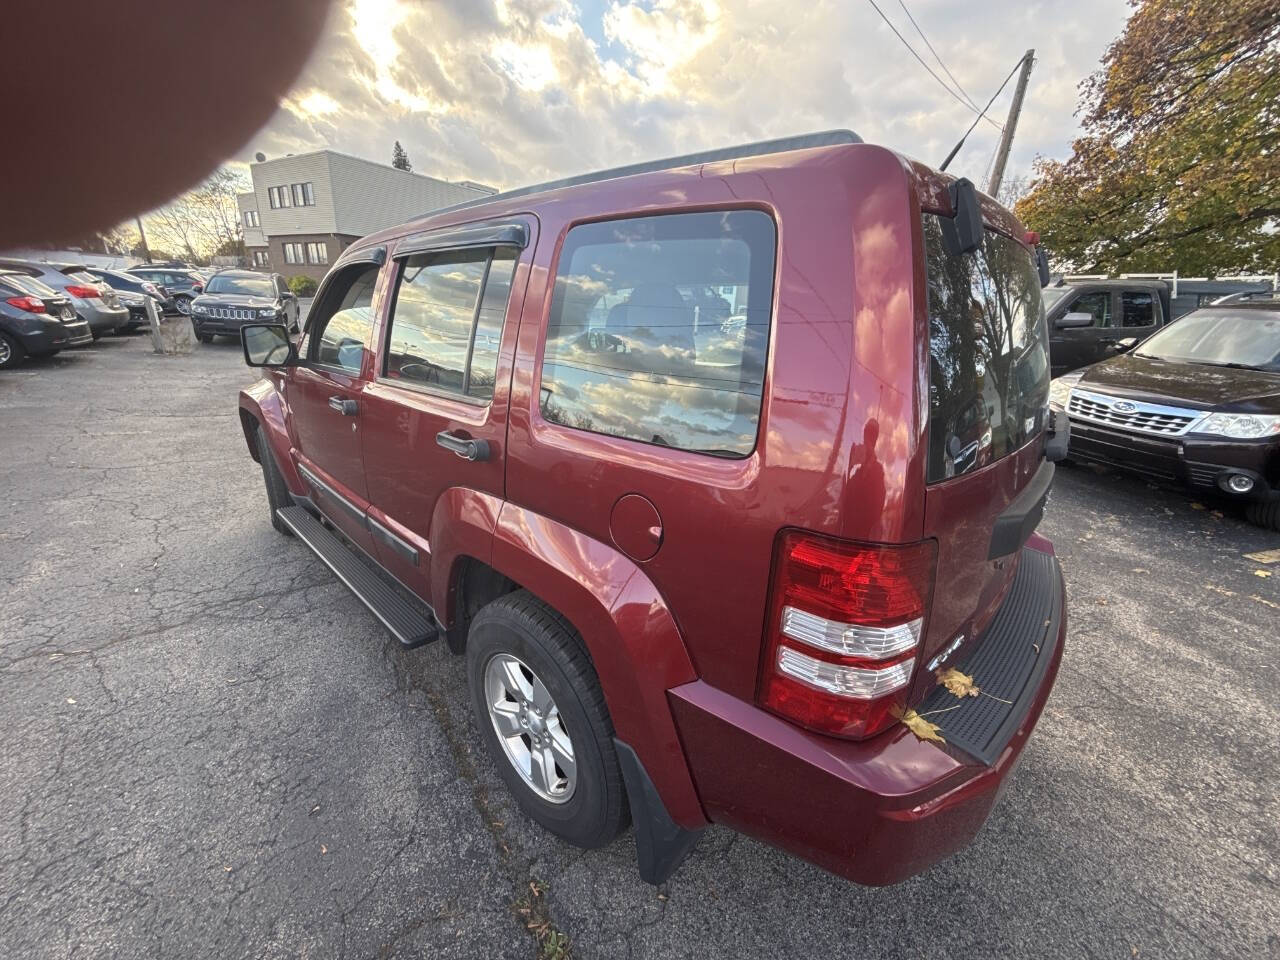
(146, 251)
(1011, 125)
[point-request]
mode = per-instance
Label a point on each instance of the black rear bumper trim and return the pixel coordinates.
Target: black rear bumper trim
(1009, 665)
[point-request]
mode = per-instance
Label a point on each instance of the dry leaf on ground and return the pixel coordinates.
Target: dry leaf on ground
(922, 728)
(1197, 506)
(1266, 556)
(961, 684)
(1262, 573)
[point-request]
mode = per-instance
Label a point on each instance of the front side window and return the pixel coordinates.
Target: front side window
(447, 320)
(1097, 305)
(342, 337)
(989, 352)
(659, 330)
(1137, 309)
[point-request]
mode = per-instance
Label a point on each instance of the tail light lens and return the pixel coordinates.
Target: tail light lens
(152, 289)
(844, 628)
(83, 292)
(29, 304)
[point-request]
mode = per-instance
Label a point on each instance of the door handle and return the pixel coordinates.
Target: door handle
(466, 449)
(344, 406)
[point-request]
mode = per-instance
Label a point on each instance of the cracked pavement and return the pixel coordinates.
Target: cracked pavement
(211, 749)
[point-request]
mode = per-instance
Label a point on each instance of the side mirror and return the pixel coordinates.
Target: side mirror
(1128, 343)
(197, 288)
(267, 345)
(1077, 318)
(1042, 266)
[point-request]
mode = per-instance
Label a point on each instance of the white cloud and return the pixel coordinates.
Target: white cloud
(515, 91)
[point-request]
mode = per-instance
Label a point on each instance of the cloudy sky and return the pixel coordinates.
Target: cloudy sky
(510, 92)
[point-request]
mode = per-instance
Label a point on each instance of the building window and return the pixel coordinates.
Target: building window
(278, 197)
(302, 194)
(251, 218)
(260, 258)
(293, 253)
(308, 194)
(317, 253)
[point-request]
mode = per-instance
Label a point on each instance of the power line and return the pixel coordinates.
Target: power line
(956, 148)
(942, 83)
(935, 54)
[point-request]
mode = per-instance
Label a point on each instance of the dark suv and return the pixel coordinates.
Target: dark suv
(233, 298)
(181, 285)
(712, 468)
(1198, 403)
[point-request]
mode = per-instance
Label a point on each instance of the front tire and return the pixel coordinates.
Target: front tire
(277, 490)
(543, 719)
(1265, 515)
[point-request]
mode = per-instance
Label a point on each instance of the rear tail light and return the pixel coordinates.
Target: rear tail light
(152, 289)
(29, 304)
(844, 629)
(84, 292)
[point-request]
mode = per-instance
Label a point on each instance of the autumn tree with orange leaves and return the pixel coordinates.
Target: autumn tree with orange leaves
(1178, 166)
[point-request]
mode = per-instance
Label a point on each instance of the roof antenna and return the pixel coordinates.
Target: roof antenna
(956, 149)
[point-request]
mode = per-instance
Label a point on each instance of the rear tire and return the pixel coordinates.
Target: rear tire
(11, 352)
(518, 630)
(1265, 515)
(205, 337)
(277, 490)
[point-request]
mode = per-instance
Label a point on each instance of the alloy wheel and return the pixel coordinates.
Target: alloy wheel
(183, 305)
(530, 729)
(5, 352)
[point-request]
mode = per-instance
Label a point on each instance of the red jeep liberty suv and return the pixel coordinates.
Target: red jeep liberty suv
(709, 466)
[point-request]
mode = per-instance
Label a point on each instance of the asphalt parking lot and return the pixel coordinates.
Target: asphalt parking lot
(211, 749)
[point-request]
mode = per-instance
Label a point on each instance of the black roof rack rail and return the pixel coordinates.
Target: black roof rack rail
(803, 141)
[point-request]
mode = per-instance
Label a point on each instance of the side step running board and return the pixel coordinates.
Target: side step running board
(411, 626)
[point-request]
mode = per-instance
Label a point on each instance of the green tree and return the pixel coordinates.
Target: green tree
(400, 159)
(1178, 165)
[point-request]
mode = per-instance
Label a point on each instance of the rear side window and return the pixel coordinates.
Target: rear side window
(447, 320)
(988, 348)
(659, 330)
(1137, 309)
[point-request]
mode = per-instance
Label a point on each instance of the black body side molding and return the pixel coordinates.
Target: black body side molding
(661, 844)
(1022, 516)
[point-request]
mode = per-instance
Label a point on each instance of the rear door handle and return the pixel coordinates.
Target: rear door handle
(344, 406)
(466, 449)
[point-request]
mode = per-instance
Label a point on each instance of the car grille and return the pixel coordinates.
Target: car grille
(232, 313)
(1149, 418)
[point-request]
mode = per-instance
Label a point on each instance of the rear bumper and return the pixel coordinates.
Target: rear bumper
(104, 317)
(877, 811)
(47, 336)
(1196, 461)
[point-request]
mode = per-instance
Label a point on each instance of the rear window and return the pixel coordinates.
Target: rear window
(28, 285)
(989, 353)
(659, 330)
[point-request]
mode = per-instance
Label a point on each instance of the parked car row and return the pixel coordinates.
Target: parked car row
(51, 306)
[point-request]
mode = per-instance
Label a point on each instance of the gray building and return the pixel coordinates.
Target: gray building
(307, 208)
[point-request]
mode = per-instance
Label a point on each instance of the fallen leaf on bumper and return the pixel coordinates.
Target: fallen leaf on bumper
(960, 684)
(922, 728)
